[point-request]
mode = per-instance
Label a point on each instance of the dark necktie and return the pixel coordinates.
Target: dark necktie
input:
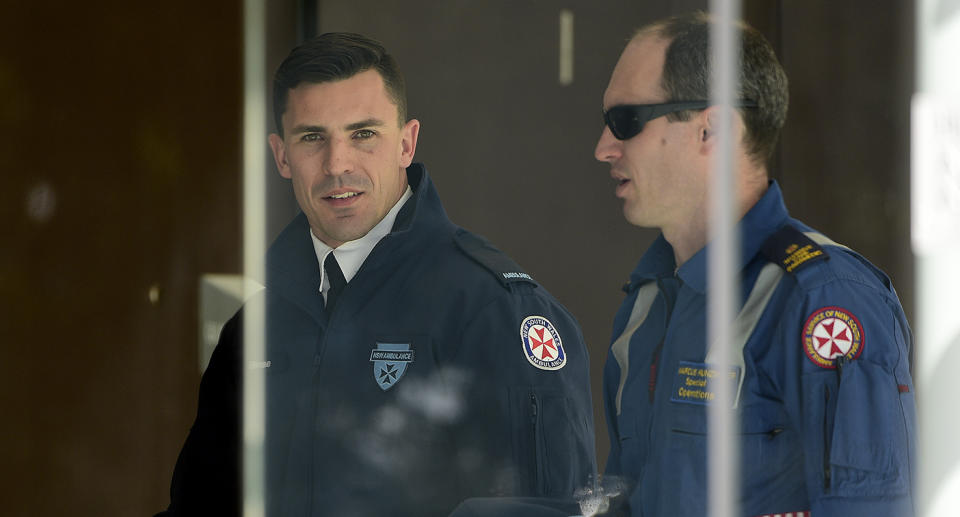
(337, 281)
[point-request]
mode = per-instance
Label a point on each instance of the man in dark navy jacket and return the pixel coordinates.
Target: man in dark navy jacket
(409, 363)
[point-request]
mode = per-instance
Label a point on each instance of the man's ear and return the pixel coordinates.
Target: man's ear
(408, 141)
(710, 127)
(280, 155)
(710, 123)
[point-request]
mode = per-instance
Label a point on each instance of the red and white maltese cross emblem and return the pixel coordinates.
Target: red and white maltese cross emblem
(544, 349)
(832, 338)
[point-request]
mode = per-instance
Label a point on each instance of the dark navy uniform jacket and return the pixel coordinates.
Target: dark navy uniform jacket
(443, 372)
(824, 389)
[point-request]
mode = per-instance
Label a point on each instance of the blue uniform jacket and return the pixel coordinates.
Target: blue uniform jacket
(444, 372)
(826, 401)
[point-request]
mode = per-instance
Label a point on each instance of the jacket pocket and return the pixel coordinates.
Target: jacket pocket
(866, 451)
(768, 457)
(547, 443)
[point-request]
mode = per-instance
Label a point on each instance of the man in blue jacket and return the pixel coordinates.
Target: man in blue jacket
(821, 374)
(410, 364)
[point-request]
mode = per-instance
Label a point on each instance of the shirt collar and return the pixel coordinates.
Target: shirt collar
(765, 217)
(351, 255)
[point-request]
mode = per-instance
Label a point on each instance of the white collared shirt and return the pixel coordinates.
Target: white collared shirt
(350, 255)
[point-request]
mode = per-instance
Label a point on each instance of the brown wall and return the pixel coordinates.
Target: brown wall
(120, 172)
(119, 156)
(845, 161)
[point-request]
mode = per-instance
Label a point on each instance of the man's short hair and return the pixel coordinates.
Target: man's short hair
(686, 76)
(335, 56)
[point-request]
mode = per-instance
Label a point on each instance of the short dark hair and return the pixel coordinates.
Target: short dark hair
(335, 56)
(687, 73)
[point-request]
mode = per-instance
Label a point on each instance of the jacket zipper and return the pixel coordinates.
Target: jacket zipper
(826, 441)
(534, 417)
(771, 434)
(654, 365)
(827, 438)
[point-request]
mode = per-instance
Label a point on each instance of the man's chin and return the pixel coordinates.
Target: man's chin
(636, 219)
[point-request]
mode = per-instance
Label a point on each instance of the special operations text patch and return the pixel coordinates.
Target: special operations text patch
(832, 332)
(541, 343)
(695, 383)
(790, 249)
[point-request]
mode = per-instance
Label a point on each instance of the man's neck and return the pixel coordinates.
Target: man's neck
(689, 237)
(686, 239)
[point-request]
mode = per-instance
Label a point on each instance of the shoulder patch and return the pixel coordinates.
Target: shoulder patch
(487, 255)
(789, 248)
(541, 343)
(831, 333)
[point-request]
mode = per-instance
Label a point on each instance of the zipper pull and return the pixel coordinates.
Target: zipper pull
(842, 360)
(534, 407)
(826, 479)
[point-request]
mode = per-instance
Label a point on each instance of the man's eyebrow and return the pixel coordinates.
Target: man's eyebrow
(309, 129)
(370, 122)
(306, 128)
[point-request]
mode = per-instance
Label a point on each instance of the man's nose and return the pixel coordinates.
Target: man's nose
(339, 159)
(608, 147)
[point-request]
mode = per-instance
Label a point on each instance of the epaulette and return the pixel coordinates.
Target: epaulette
(791, 249)
(497, 262)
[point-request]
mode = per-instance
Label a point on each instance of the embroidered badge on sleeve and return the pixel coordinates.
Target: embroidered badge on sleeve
(832, 332)
(541, 343)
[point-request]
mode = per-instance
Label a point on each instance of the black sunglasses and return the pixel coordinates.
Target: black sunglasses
(626, 121)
